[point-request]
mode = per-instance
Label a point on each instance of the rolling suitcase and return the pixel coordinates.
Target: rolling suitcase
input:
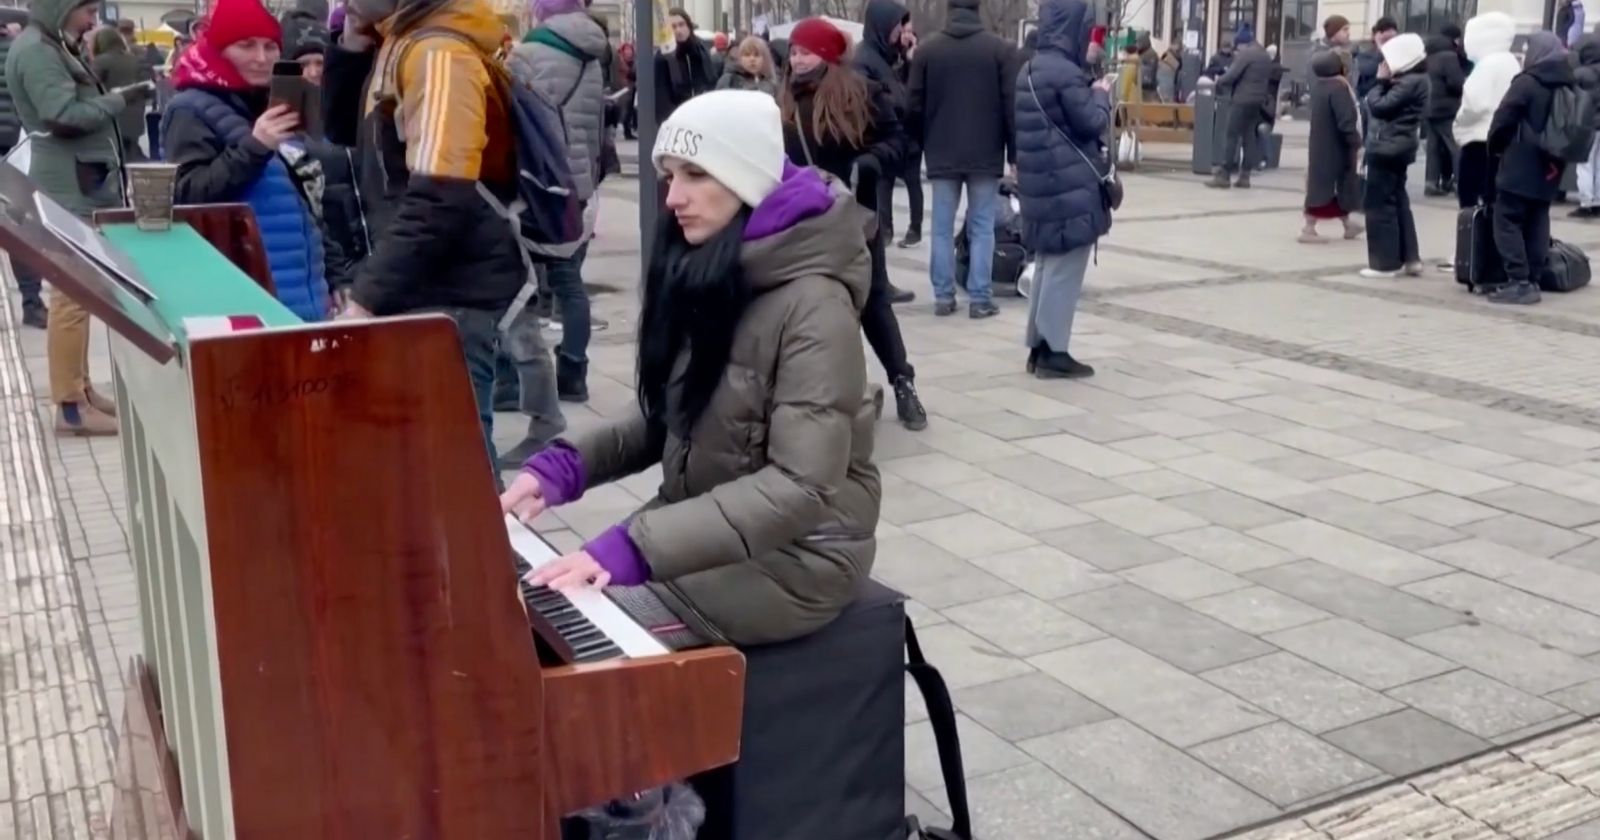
(1566, 269)
(1477, 262)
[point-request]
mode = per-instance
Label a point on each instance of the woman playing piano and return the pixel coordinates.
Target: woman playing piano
(751, 394)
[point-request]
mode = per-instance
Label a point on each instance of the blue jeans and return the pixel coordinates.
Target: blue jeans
(480, 334)
(983, 196)
(566, 286)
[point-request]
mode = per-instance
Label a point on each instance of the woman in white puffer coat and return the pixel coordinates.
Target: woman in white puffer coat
(1487, 41)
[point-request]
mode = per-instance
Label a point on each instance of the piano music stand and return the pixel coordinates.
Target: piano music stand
(25, 238)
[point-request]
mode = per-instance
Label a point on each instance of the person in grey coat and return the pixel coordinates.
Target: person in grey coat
(561, 58)
(1248, 86)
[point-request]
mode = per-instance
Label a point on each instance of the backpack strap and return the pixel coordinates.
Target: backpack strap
(942, 716)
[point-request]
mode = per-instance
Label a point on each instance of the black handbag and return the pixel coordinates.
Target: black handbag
(942, 717)
(1110, 182)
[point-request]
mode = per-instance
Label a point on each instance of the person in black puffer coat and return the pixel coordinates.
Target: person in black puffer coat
(1587, 76)
(1397, 104)
(838, 121)
(1062, 115)
(1529, 178)
(1445, 79)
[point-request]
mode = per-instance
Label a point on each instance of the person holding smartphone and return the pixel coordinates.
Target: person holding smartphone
(234, 141)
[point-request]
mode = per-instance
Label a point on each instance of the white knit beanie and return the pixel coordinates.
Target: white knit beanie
(1404, 52)
(736, 136)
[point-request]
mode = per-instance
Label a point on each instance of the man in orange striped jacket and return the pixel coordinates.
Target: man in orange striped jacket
(413, 86)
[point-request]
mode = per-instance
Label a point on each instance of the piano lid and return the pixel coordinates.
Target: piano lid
(31, 243)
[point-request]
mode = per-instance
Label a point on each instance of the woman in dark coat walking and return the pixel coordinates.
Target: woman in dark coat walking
(1062, 114)
(1333, 188)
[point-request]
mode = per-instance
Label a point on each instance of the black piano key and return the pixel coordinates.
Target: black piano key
(599, 654)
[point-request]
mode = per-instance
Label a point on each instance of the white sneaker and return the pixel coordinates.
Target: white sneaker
(1413, 269)
(1375, 274)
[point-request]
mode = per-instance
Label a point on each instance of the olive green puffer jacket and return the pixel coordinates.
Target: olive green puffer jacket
(80, 163)
(763, 526)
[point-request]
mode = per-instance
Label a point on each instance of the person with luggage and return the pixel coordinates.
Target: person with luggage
(840, 122)
(1587, 77)
(1445, 79)
(1530, 175)
(1062, 115)
(1333, 185)
(1487, 40)
(1397, 104)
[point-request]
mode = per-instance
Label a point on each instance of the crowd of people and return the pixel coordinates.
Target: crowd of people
(1482, 116)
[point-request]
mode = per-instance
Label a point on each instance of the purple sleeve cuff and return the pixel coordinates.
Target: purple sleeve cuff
(615, 552)
(561, 475)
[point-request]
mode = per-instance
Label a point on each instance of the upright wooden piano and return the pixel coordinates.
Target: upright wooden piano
(334, 641)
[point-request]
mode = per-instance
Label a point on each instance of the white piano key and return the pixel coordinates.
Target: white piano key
(623, 631)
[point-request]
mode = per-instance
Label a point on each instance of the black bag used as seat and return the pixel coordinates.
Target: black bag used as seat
(1477, 260)
(1567, 269)
(822, 752)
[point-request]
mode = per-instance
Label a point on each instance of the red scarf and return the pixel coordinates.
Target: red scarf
(202, 65)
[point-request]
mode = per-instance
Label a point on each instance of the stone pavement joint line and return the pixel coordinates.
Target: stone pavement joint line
(56, 770)
(1443, 386)
(1538, 789)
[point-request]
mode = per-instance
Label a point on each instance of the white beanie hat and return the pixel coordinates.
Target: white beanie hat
(736, 136)
(1404, 52)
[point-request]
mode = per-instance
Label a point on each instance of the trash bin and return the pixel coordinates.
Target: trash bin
(1210, 130)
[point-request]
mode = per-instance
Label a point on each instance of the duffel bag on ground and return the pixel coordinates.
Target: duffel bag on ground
(1566, 269)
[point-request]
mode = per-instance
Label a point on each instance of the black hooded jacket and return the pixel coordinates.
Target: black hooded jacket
(1445, 78)
(963, 98)
(1587, 73)
(1396, 106)
(1525, 169)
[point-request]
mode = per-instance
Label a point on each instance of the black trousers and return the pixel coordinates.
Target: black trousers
(911, 174)
(28, 283)
(1474, 175)
(1522, 234)
(1244, 137)
(878, 320)
(1442, 150)
(1391, 230)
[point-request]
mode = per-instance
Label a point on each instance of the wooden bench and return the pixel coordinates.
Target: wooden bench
(1157, 122)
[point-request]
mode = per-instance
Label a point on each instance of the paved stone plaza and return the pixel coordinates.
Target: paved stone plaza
(1302, 534)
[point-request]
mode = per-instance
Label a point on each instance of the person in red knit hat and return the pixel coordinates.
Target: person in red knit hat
(230, 146)
(837, 120)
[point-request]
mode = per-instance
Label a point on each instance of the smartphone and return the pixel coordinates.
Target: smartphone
(287, 87)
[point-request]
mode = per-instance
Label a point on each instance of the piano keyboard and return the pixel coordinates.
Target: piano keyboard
(587, 622)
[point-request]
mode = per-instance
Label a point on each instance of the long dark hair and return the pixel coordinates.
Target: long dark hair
(841, 105)
(694, 296)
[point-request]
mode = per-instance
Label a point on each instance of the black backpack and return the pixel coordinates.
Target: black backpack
(1569, 132)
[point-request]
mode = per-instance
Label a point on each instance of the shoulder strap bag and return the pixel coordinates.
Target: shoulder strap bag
(1110, 184)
